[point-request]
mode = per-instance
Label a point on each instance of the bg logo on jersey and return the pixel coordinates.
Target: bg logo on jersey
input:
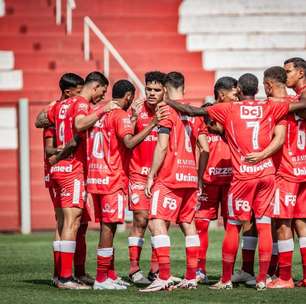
(250, 112)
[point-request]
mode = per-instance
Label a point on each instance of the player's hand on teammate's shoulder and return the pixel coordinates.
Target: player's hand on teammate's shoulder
(52, 160)
(136, 106)
(161, 112)
(111, 105)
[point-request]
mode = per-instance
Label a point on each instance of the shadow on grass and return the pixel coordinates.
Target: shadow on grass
(38, 282)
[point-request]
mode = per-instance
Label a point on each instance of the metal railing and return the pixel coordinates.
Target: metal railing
(108, 49)
(70, 5)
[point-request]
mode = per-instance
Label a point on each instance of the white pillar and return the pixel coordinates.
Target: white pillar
(24, 165)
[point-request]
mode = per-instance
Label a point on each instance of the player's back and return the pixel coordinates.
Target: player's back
(107, 153)
(179, 168)
(249, 128)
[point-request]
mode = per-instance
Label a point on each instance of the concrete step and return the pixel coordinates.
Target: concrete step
(11, 80)
(7, 60)
(232, 60)
(255, 41)
(241, 7)
(243, 24)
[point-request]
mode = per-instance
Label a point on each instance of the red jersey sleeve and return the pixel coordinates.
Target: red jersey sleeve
(81, 107)
(123, 125)
(169, 121)
(219, 112)
(51, 112)
(49, 132)
(279, 110)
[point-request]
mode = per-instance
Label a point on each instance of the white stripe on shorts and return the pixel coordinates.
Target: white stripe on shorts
(120, 206)
(76, 192)
(154, 202)
(276, 209)
(230, 204)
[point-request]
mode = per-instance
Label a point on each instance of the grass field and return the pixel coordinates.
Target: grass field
(25, 272)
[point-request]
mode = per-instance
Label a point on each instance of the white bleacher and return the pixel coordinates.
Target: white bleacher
(241, 36)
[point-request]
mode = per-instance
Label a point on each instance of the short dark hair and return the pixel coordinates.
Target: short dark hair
(70, 80)
(98, 77)
(298, 63)
(121, 87)
(248, 84)
(276, 73)
(224, 83)
(175, 79)
(155, 76)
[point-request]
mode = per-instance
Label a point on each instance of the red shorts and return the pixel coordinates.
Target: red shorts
(70, 191)
(289, 200)
(110, 208)
(54, 195)
(251, 195)
(175, 205)
(137, 198)
(208, 202)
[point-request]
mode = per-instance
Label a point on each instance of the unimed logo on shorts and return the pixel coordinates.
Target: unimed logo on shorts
(250, 112)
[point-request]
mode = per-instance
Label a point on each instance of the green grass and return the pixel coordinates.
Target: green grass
(26, 264)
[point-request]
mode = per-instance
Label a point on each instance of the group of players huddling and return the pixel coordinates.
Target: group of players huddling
(170, 165)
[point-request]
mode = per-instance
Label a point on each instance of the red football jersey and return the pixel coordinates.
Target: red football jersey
(107, 153)
(249, 127)
(290, 161)
(219, 166)
(179, 169)
(63, 116)
(141, 156)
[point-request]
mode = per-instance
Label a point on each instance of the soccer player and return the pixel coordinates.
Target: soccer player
(71, 117)
(139, 165)
(70, 85)
(172, 183)
(252, 187)
(290, 193)
(107, 179)
(217, 176)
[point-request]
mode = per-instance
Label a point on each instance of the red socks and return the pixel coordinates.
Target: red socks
(80, 251)
(263, 226)
(229, 250)
(192, 251)
(202, 229)
(104, 261)
(161, 244)
(57, 257)
(302, 241)
(135, 247)
(285, 249)
(154, 259)
(249, 244)
(67, 252)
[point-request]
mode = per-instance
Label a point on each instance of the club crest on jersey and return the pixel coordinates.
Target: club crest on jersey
(251, 112)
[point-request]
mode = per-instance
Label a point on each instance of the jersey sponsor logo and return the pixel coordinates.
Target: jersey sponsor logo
(220, 171)
(181, 177)
(107, 209)
(98, 181)
(144, 115)
(242, 205)
(214, 138)
(299, 171)
(63, 111)
(186, 162)
(83, 107)
(136, 186)
(251, 112)
(253, 169)
(67, 169)
(169, 203)
(290, 199)
(145, 170)
(135, 198)
(150, 137)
